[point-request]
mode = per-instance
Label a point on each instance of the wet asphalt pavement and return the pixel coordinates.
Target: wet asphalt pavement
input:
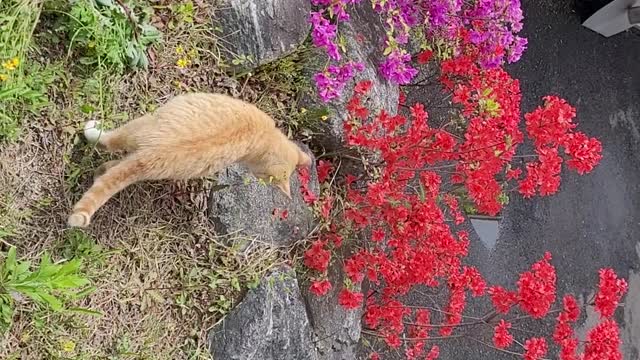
(594, 221)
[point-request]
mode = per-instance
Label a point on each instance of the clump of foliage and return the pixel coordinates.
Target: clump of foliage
(21, 86)
(46, 284)
(111, 33)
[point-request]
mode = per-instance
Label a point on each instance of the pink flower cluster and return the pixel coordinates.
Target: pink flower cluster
(489, 25)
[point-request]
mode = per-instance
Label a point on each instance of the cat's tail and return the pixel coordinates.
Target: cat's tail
(116, 178)
(92, 131)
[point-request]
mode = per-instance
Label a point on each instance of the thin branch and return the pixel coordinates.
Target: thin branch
(373, 333)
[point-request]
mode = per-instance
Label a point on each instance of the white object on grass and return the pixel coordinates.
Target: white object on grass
(92, 131)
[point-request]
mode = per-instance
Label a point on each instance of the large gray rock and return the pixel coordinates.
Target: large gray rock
(269, 324)
(263, 30)
(245, 206)
(363, 34)
(337, 330)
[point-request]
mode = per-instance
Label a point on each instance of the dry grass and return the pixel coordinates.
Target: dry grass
(161, 277)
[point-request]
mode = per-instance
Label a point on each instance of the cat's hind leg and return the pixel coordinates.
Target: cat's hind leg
(123, 138)
(104, 167)
(126, 172)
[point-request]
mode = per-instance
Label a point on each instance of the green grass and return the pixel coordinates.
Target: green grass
(18, 94)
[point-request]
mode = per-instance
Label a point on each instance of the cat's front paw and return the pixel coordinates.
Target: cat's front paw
(79, 219)
(92, 131)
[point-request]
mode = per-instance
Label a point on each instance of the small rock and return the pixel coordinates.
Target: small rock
(255, 210)
(269, 324)
(263, 30)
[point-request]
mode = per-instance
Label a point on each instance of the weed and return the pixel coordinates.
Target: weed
(17, 23)
(183, 13)
(111, 33)
(48, 284)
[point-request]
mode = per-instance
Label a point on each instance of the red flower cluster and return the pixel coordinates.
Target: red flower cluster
(320, 288)
(610, 291)
(349, 299)
(550, 127)
(537, 288)
(412, 243)
(317, 257)
(603, 342)
(563, 334)
(324, 169)
(535, 349)
(501, 337)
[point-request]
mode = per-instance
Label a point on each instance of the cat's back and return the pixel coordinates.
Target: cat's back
(194, 118)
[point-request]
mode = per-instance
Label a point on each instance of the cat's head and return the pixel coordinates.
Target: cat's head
(280, 165)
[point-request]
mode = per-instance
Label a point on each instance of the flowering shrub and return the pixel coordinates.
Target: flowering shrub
(408, 203)
(407, 211)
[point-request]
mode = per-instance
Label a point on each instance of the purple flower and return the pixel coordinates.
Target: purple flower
(438, 12)
(323, 34)
(332, 81)
(397, 69)
(517, 48)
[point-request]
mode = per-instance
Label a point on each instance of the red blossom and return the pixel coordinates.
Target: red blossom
(354, 268)
(320, 288)
(584, 152)
(434, 353)
(513, 174)
(363, 87)
(537, 288)
(317, 257)
(374, 356)
(610, 291)
(350, 300)
(535, 349)
(402, 98)
(502, 299)
(571, 308)
(603, 342)
(324, 169)
(502, 339)
(424, 56)
(393, 340)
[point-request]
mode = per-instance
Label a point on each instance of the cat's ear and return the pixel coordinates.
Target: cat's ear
(285, 187)
(304, 160)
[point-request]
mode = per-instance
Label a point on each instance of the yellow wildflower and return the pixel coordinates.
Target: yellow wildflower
(183, 63)
(324, 117)
(67, 345)
(11, 64)
(303, 110)
(179, 50)
(3, 77)
(192, 53)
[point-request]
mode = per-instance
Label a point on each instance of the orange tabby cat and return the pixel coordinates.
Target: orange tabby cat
(191, 136)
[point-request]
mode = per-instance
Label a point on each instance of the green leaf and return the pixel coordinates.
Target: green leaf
(52, 301)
